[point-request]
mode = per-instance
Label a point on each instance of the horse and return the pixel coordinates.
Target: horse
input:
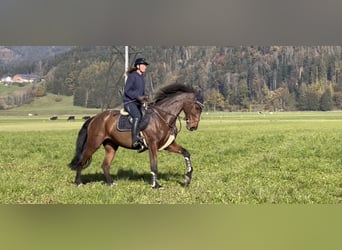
(160, 132)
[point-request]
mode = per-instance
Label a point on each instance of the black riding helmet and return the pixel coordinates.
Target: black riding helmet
(140, 61)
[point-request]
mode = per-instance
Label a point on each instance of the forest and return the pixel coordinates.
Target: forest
(232, 78)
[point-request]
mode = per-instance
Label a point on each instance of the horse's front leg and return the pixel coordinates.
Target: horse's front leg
(154, 168)
(175, 148)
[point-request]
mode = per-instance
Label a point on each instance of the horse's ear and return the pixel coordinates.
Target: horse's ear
(199, 97)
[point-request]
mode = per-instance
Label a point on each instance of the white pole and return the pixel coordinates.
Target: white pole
(126, 62)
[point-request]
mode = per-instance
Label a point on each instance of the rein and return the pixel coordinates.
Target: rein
(165, 112)
(158, 110)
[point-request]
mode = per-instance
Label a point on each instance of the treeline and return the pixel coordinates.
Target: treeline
(231, 78)
(28, 59)
(17, 98)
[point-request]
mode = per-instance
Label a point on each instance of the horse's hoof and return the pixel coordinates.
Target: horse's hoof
(112, 184)
(157, 186)
(187, 181)
(79, 184)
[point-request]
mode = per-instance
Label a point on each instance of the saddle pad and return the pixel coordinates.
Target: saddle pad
(125, 124)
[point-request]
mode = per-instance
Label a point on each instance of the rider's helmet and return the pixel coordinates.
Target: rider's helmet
(139, 61)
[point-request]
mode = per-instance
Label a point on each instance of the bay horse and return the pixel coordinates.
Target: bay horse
(159, 134)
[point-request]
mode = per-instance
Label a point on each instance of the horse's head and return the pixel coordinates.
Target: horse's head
(178, 97)
(193, 110)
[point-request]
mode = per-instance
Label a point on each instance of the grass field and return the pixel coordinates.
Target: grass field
(8, 89)
(47, 106)
(238, 158)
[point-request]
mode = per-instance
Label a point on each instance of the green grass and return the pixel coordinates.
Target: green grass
(49, 105)
(238, 158)
(4, 90)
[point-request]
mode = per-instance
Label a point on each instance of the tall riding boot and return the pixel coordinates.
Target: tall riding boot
(135, 132)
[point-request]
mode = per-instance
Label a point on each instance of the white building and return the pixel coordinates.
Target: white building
(6, 79)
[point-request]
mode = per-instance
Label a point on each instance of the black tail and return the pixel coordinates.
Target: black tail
(80, 145)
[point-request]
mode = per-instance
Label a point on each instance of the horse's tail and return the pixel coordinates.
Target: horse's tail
(80, 145)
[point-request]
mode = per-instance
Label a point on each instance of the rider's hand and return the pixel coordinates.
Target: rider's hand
(143, 98)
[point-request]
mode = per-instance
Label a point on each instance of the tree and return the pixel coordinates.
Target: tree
(79, 95)
(40, 90)
(309, 98)
(338, 99)
(326, 102)
(241, 97)
(215, 100)
(86, 81)
(92, 80)
(242, 74)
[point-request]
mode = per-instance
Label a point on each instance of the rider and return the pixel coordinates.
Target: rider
(134, 95)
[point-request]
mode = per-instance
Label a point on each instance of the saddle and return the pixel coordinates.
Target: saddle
(125, 121)
(125, 125)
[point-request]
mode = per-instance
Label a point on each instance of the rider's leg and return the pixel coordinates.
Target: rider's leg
(135, 132)
(134, 111)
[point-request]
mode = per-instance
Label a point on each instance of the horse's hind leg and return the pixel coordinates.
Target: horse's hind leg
(78, 179)
(175, 148)
(110, 150)
(86, 159)
(85, 162)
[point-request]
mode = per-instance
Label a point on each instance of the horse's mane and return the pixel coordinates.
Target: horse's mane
(171, 90)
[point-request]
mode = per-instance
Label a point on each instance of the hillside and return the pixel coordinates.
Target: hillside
(50, 105)
(15, 54)
(239, 78)
(27, 59)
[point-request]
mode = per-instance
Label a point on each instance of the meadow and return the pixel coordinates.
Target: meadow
(238, 158)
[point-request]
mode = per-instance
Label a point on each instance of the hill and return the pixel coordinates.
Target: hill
(16, 54)
(231, 78)
(50, 105)
(251, 78)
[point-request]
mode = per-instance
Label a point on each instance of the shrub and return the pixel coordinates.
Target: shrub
(58, 99)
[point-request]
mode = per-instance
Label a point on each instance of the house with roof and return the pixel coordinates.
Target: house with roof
(25, 78)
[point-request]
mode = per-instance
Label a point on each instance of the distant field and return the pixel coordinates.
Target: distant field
(49, 105)
(8, 89)
(238, 158)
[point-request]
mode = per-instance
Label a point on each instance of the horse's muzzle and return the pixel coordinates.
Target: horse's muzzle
(191, 128)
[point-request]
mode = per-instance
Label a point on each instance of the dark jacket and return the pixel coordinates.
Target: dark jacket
(135, 87)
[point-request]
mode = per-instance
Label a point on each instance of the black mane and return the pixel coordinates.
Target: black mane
(171, 90)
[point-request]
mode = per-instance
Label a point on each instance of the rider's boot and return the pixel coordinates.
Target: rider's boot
(135, 132)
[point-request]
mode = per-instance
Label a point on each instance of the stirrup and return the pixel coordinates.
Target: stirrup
(142, 149)
(136, 144)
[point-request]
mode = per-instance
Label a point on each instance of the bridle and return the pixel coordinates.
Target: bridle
(159, 110)
(172, 125)
(201, 105)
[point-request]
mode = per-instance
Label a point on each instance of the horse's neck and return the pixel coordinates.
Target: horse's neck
(171, 108)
